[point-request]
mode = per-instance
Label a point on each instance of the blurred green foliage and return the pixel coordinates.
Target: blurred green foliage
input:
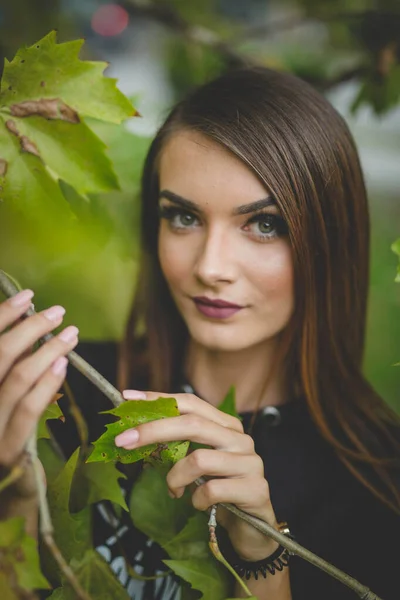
(90, 266)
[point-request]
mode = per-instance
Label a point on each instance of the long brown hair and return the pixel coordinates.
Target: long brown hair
(302, 150)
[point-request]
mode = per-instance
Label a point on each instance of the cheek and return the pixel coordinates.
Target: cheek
(175, 264)
(272, 274)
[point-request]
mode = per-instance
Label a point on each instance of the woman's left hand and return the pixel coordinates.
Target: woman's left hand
(237, 471)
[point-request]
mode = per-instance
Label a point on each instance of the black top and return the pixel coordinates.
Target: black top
(327, 509)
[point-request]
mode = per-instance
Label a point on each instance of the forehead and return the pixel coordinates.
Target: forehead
(197, 168)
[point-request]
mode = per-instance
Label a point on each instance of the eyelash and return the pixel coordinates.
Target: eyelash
(169, 213)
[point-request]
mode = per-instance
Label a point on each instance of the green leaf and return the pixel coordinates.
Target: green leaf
(153, 511)
(19, 556)
(25, 181)
(47, 70)
(228, 404)
(53, 411)
(192, 540)
(203, 575)
(5, 589)
(131, 414)
(381, 93)
(52, 462)
(45, 90)
(180, 530)
(95, 482)
(72, 151)
(72, 532)
(96, 578)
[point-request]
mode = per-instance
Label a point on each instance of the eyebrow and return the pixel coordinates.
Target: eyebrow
(244, 209)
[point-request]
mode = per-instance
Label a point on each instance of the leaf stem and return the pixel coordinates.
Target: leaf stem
(11, 478)
(213, 543)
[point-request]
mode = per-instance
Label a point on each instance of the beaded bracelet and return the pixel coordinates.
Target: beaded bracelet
(272, 563)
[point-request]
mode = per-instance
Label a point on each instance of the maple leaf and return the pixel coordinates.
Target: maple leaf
(19, 559)
(45, 91)
(96, 578)
(52, 411)
(131, 414)
(72, 532)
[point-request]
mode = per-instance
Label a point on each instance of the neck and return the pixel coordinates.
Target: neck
(212, 373)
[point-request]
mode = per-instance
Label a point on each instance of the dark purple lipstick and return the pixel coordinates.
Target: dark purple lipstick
(216, 309)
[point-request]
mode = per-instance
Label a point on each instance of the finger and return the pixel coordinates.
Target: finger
(212, 463)
(21, 337)
(190, 404)
(252, 497)
(28, 371)
(27, 413)
(13, 308)
(190, 427)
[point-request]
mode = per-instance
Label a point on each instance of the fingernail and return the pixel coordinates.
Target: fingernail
(59, 365)
(134, 395)
(54, 313)
(69, 333)
(21, 298)
(126, 438)
(171, 494)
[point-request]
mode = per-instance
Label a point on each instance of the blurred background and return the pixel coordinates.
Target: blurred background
(158, 49)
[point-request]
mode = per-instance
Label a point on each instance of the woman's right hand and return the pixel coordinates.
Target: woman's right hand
(28, 381)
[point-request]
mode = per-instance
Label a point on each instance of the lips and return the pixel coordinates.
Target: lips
(215, 309)
(217, 303)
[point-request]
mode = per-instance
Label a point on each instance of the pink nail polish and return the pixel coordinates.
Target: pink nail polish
(134, 395)
(54, 313)
(127, 438)
(21, 298)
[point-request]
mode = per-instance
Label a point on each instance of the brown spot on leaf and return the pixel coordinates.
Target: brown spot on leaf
(3, 167)
(11, 126)
(26, 144)
(42, 84)
(53, 108)
(103, 454)
(156, 454)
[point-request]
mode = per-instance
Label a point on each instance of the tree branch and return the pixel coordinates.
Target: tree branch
(9, 289)
(170, 18)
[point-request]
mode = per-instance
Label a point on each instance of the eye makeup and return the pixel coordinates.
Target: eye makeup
(261, 226)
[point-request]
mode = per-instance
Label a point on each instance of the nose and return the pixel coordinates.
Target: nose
(216, 259)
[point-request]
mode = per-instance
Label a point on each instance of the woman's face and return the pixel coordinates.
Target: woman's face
(215, 245)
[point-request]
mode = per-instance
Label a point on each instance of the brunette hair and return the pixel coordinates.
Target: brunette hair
(302, 150)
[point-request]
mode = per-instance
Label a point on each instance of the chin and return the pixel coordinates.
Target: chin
(218, 339)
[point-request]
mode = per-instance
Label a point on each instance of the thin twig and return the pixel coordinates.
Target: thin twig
(9, 289)
(46, 525)
(364, 592)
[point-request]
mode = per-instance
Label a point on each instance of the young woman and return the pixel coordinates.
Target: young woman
(255, 241)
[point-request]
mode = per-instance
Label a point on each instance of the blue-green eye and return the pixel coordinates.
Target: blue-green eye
(265, 226)
(176, 217)
(186, 219)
